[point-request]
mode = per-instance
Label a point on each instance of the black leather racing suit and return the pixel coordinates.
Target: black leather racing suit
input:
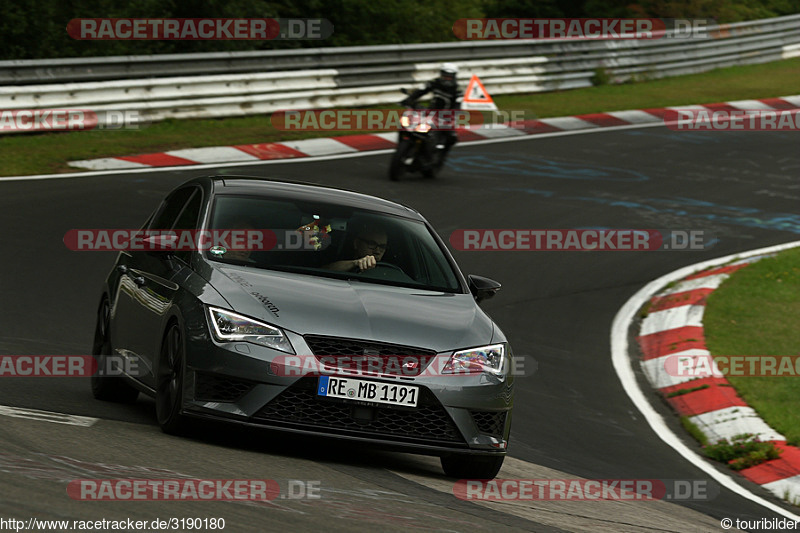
(445, 96)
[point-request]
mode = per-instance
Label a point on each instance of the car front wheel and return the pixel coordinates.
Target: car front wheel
(169, 387)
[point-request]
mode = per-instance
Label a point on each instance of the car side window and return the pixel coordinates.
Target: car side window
(191, 212)
(187, 220)
(171, 208)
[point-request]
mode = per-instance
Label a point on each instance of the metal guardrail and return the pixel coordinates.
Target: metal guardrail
(244, 83)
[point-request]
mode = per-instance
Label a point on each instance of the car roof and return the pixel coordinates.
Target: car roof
(252, 185)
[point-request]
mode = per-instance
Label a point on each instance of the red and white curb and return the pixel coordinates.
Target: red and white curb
(672, 330)
(380, 141)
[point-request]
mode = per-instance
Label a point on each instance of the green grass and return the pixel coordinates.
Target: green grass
(694, 431)
(742, 451)
(50, 152)
(755, 312)
(780, 78)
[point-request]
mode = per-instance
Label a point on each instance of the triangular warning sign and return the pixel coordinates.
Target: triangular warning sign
(477, 97)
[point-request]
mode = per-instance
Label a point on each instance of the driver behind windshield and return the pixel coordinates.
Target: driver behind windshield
(368, 248)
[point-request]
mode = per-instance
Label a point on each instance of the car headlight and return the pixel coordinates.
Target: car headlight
(405, 121)
(230, 326)
(483, 359)
(423, 127)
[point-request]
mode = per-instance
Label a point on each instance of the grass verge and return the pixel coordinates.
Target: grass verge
(742, 451)
(50, 152)
(755, 313)
(694, 431)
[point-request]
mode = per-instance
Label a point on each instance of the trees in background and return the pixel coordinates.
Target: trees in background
(37, 28)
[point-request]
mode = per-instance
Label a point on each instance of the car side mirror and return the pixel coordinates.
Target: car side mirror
(482, 288)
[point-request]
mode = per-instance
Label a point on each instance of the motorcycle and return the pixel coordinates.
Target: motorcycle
(421, 145)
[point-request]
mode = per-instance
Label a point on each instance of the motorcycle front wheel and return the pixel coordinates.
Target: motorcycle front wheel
(436, 165)
(398, 166)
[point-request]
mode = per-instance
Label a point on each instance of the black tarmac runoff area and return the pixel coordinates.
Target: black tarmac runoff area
(572, 418)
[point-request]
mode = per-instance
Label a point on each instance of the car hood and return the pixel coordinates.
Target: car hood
(341, 308)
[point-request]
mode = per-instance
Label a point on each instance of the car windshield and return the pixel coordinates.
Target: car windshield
(319, 239)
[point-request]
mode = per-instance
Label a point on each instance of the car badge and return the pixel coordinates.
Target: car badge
(217, 250)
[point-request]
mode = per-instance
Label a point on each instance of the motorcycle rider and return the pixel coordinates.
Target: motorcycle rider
(445, 97)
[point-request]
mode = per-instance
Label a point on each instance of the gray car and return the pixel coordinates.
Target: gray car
(344, 316)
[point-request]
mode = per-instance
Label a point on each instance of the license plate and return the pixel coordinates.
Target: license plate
(368, 391)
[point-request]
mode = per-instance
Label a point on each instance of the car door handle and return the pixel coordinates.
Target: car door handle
(139, 280)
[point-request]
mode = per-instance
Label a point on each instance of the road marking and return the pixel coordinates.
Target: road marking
(623, 366)
(111, 163)
(47, 416)
(213, 154)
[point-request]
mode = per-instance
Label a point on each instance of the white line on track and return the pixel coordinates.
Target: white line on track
(47, 416)
(623, 365)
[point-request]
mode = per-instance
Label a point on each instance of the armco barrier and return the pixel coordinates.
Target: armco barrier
(246, 83)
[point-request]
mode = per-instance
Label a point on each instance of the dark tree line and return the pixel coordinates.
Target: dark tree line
(37, 28)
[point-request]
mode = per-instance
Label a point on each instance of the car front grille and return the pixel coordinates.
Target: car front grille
(491, 422)
(370, 356)
(210, 388)
(299, 407)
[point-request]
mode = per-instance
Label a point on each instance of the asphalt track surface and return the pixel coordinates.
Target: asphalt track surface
(572, 417)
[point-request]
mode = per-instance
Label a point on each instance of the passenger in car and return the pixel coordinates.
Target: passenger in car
(368, 248)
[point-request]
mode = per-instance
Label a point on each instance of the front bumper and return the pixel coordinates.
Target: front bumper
(237, 382)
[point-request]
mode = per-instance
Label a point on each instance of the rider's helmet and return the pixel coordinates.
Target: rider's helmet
(448, 73)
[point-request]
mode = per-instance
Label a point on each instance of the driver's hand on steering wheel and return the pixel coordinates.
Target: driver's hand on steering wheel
(365, 263)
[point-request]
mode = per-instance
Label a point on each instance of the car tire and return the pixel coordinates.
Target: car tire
(169, 382)
(465, 466)
(107, 388)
